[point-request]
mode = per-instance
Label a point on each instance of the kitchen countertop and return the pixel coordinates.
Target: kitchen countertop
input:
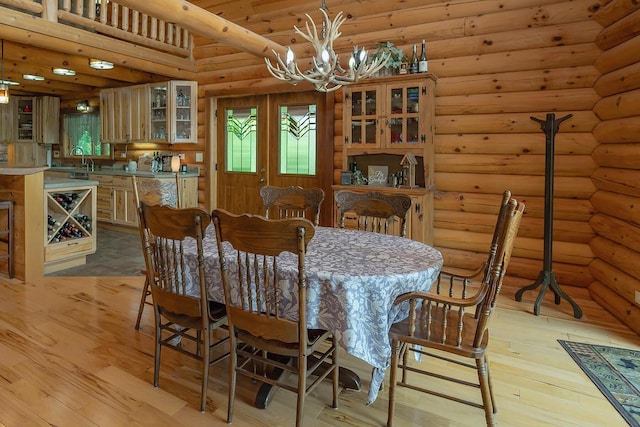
(13, 169)
(120, 172)
(50, 183)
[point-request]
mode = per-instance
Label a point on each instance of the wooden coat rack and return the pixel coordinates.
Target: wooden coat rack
(547, 278)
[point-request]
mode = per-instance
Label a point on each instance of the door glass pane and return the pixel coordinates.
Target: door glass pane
(241, 141)
(297, 139)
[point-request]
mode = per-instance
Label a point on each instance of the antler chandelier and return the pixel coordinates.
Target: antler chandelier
(326, 75)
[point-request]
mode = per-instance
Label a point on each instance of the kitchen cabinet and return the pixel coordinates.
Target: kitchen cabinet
(7, 119)
(385, 120)
(124, 202)
(174, 113)
(188, 187)
(115, 115)
(37, 119)
(104, 197)
(157, 112)
(70, 218)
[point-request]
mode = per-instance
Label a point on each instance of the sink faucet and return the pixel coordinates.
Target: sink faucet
(74, 151)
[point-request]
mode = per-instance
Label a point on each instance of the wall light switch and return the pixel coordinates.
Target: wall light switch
(181, 156)
(56, 154)
(123, 155)
(199, 157)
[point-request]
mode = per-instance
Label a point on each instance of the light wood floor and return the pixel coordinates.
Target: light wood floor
(69, 356)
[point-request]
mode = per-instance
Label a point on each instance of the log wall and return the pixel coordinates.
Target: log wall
(499, 63)
(616, 222)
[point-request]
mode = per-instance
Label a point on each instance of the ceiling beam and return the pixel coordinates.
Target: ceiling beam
(200, 21)
(23, 28)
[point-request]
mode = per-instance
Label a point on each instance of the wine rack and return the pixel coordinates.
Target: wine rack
(70, 225)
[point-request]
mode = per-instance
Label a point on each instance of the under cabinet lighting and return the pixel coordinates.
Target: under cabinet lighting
(63, 72)
(99, 64)
(32, 77)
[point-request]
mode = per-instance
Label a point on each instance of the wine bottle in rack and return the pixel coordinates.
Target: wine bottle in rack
(423, 64)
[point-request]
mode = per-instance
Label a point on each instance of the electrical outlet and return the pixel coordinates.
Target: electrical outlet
(123, 155)
(199, 157)
(637, 297)
(181, 156)
(56, 154)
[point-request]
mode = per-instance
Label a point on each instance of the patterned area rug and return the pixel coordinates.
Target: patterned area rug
(615, 371)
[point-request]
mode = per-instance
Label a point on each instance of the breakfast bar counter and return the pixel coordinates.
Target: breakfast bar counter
(23, 185)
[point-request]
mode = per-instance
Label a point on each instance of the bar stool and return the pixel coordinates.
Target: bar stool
(7, 205)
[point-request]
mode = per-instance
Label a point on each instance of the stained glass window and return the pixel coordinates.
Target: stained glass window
(241, 141)
(298, 139)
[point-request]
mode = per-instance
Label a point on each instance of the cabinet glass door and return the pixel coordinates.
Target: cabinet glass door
(183, 112)
(158, 120)
(364, 118)
(404, 116)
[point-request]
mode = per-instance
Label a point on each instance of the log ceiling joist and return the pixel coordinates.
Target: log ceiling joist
(34, 46)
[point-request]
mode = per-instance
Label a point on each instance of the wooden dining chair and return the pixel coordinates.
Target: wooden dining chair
(259, 295)
(465, 278)
(293, 202)
(154, 192)
(179, 290)
(375, 211)
(449, 325)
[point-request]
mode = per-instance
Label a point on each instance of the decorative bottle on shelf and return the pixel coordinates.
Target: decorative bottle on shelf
(354, 166)
(414, 61)
(180, 98)
(423, 64)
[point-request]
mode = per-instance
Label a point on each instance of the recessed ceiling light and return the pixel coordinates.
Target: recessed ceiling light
(9, 83)
(63, 72)
(32, 77)
(99, 64)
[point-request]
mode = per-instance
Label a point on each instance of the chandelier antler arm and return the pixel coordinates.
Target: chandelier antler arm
(326, 75)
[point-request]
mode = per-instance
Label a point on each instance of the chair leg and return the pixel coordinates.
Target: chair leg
(336, 371)
(483, 377)
(156, 363)
(302, 389)
(143, 299)
(206, 337)
(395, 350)
(493, 398)
(233, 363)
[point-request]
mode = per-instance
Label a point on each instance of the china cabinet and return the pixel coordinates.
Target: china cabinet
(70, 218)
(173, 113)
(387, 121)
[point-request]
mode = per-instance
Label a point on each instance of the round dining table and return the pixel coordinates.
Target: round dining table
(353, 278)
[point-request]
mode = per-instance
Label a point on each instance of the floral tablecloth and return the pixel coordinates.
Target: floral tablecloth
(353, 278)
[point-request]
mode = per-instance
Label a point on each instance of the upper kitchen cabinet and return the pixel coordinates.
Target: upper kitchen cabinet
(174, 114)
(114, 115)
(7, 118)
(37, 119)
(157, 112)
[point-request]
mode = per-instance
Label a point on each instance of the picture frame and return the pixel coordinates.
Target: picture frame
(377, 175)
(346, 178)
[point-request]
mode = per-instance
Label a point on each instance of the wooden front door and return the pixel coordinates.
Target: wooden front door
(279, 140)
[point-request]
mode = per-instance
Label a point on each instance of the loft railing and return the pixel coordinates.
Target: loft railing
(111, 19)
